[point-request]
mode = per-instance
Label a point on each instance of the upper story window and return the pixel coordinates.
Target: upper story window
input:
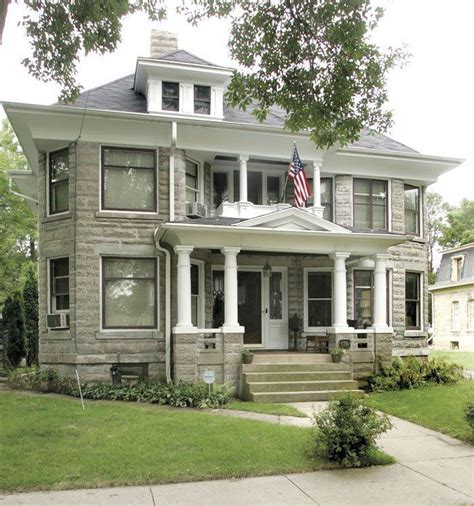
(413, 300)
(456, 267)
(412, 210)
(192, 181)
(59, 284)
(58, 181)
(326, 197)
(129, 293)
(170, 96)
(202, 99)
(128, 179)
(370, 204)
(220, 192)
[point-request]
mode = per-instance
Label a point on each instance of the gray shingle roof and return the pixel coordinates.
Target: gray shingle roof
(445, 268)
(182, 56)
(119, 95)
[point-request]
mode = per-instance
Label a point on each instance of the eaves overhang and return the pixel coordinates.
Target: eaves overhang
(451, 285)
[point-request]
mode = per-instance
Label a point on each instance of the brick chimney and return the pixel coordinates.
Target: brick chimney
(162, 43)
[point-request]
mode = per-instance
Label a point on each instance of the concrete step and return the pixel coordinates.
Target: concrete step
(301, 386)
(295, 367)
(288, 376)
(291, 358)
(309, 396)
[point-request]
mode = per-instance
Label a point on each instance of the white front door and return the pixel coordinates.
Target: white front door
(275, 309)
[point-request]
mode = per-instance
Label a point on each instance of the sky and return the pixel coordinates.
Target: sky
(431, 97)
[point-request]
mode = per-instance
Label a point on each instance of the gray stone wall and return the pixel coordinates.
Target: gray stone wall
(343, 200)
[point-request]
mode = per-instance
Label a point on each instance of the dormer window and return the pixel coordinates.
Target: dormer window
(202, 99)
(170, 96)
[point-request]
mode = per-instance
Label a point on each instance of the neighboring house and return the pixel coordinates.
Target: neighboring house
(165, 246)
(453, 300)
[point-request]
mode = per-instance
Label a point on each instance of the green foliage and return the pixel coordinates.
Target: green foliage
(459, 229)
(18, 227)
(346, 431)
(181, 395)
(469, 414)
(414, 373)
(314, 60)
(14, 329)
(30, 308)
(337, 354)
(436, 211)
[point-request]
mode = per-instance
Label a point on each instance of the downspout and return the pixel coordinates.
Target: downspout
(167, 306)
(12, 191)
(174, 135)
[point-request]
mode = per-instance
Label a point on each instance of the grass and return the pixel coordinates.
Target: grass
(48, 442)
(438, 407)
(269, 408)
(464, 358)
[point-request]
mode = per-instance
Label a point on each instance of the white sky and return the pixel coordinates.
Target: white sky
(432, 97)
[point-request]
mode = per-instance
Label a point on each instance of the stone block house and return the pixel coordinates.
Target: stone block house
(167, 243)
(453, 300)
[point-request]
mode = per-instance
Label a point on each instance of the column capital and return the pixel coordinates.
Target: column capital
(381, 256)
(318, 163)
(230, 250)
(244, 158)
(339, 254)
(181, 248)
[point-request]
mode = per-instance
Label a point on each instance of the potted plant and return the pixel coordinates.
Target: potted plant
(247, 356)
(337, 354)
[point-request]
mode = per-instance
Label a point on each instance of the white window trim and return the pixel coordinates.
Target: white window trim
(119, 212)
(420, 211)
(200, 179)
(201, 312)
(306, 271)
(62, 213)
(455, 260)
(389, 198)
(415, 332)
(52, 310)
(457, 327)
(157, 295)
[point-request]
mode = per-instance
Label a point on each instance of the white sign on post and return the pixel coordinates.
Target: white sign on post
(209, 377)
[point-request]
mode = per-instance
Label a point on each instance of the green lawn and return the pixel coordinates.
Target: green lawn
(48, 442)
(465, 358)
(438, 407)
(267, 408)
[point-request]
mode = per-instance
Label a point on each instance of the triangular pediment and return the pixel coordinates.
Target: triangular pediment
(292, 219)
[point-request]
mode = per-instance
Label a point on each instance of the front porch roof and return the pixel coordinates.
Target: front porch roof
(288, 231)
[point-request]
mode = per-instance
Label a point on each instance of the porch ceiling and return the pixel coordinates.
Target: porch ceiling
(275, 240)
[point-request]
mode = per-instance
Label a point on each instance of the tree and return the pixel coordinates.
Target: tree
(459, 228)
(30, 310)
(18, 225)
(14, 329)
(311, 58)
(436, 212)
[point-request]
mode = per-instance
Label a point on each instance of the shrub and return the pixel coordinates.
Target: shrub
(30, 307)
(14, 329)
(346, 431)
(414, 373)
(469, 414)
(193, 395)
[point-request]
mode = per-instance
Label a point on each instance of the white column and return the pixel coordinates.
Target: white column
(184, 286)
(339, 319)
(231, 319)
(380, 291)
(316, 183)
(243, 178)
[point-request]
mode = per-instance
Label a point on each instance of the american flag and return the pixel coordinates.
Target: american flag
(300, 183)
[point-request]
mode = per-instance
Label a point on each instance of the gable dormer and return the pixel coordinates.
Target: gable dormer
(176, 82)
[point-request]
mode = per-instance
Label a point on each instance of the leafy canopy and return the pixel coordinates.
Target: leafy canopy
(459, 229)
(311, 59)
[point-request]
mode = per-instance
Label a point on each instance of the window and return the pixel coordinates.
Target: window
(196, 297)
(455, 324)
(59, 285)
(217, 299)
(192, 181)
(59, 181)
(129, 293)
(170, 96)
(273, 190)
(220, 188)
(412, 300)
(254, 186)
(470, 314)
(456, 263)
(363, 298)
(326, 196)
(202, 99)
(128, 179)
(370, 204)
(318, 299)
(412, 210)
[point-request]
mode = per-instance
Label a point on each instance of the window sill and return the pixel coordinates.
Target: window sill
(57, 217)
(416, 238)
(129, 334)
(56, 335)
(128, 215)
(415, 333)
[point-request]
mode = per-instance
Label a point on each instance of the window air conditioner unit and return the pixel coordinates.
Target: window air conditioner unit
(57, 321)
(196, 210)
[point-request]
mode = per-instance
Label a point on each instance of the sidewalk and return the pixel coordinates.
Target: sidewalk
(431, 469)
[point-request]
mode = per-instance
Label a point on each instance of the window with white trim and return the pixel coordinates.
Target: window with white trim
(59, 285)
(470, 314)
(170, 96)
(318, 298)
(456, 267)
(412, 209)
(370, 204)
(58, 181)
(455, 316)
(197, 298)
(413, 300)
(192, 181)
(202, 99)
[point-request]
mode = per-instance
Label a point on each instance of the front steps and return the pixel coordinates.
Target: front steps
(295, 377)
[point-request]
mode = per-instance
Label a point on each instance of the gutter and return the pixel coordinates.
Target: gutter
(21, 195)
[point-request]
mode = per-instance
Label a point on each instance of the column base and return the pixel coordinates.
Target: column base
(342, 329)
(315, 210)
(232, 329)
(185, 329)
